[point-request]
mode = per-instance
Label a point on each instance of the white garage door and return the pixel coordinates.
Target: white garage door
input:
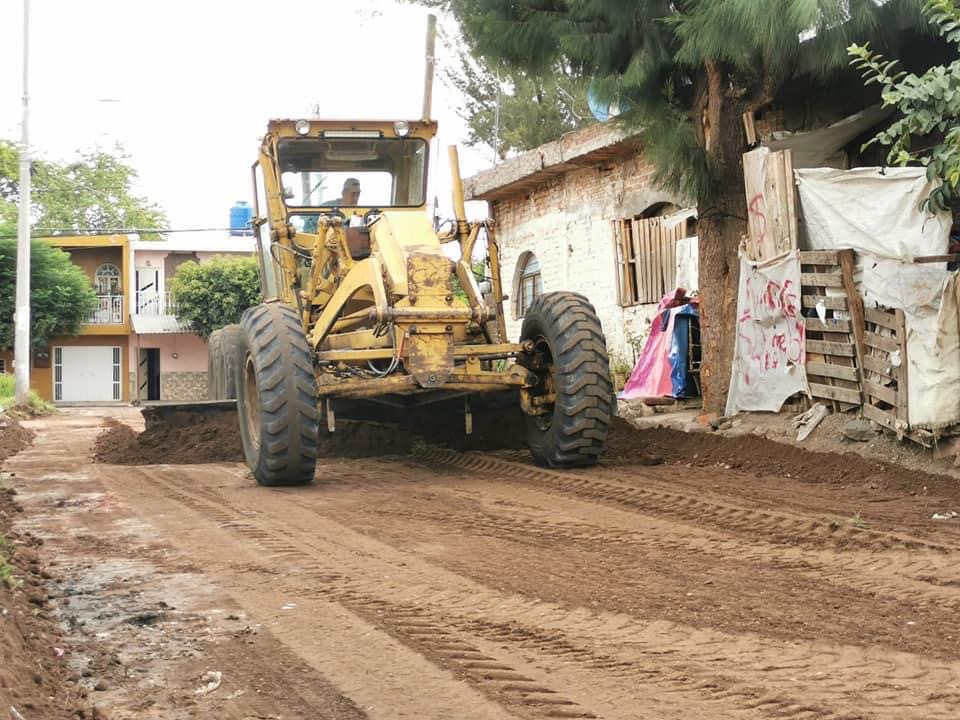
(86, 374)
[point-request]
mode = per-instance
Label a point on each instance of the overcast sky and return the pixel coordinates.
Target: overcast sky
(187, 86)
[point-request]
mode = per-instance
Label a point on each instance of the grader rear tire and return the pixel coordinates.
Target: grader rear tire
(570, 357)
(230, 339)
(215, 365)
(276, 396)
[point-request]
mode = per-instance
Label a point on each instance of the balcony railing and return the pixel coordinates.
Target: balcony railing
(109, 311)
(154, 303)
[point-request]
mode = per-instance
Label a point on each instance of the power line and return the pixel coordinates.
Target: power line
(60, 232)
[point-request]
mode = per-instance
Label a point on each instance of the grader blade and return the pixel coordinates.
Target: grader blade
(185, 414)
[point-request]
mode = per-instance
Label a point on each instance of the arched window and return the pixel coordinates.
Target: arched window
(107, 279)
(530, 285)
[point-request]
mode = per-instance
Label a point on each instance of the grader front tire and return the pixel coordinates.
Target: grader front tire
(276, 396)
(575, 393)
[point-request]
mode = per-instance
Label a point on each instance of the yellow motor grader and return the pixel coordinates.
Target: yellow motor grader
(370, 309)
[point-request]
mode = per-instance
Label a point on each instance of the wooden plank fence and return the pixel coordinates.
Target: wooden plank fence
(647, 255)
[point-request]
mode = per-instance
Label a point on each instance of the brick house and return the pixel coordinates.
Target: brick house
(582, 214)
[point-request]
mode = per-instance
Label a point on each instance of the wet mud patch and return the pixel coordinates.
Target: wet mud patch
(34, 677)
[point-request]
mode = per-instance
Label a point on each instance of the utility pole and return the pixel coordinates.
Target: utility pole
(21, 341)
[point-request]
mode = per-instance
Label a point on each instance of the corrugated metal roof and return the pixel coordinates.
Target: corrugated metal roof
(158, 325)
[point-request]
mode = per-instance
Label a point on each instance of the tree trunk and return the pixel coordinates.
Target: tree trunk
(722, 223)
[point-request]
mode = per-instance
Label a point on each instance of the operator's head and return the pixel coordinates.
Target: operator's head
(351, 192)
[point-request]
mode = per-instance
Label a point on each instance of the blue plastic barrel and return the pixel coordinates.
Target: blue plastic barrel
(240, 215)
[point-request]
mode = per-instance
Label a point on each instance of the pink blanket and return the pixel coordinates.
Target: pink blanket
(651, 374)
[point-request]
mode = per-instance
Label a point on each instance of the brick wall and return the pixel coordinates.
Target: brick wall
(568, 224)
(183, 386)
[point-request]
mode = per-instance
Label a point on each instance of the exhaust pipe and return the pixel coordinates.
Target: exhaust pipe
(428, 69)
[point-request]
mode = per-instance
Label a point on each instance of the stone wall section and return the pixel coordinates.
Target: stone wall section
(183, 386)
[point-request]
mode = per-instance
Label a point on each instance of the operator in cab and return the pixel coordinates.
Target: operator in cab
(349, 197)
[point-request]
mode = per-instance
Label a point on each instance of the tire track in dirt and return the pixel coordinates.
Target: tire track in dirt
(920, 576)
(779, 526)
(900, 576)
(498, 678)
(878, 502)
(445, 642)
(802, 679)
(388, 684)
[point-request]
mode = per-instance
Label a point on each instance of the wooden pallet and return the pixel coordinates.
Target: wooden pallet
(885, 377)
(833, 313)
(885, 369)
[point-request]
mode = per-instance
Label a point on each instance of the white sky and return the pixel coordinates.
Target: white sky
(187, 87)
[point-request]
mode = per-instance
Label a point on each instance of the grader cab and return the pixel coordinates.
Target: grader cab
(368, 308)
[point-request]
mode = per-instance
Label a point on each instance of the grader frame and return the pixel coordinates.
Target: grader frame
(360, 305)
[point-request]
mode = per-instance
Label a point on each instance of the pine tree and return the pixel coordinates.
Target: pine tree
(689, 70)
(511, 110)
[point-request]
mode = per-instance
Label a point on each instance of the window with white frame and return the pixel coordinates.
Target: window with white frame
(530, 283)
(107, 279)
(116, 373)
(57, 374)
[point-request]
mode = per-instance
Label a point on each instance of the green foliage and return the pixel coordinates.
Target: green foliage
(479, 272)
(7, 576)
(33, 407)
(90, 195)
(6, 386)
(215, 293)
(928, 105)
(61, 295)
(657, 57)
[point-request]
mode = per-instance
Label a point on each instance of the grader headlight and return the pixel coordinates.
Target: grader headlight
(302, 127)
(401, 128)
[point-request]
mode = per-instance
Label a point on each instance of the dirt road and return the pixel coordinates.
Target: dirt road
(456, 585)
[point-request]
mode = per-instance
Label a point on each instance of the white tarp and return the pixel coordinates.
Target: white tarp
(770, 353)
(928, 297)
(816, 147)
(872, 211)
(688, 264)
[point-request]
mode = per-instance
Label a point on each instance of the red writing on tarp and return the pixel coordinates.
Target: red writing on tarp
(770, 328)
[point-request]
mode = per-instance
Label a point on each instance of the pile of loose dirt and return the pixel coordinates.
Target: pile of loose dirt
(353, 439)
(13, 437)
(204, 439)
(760, 456)
(34, 678)
(440, 424)
(189, 438)
(497, 427)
